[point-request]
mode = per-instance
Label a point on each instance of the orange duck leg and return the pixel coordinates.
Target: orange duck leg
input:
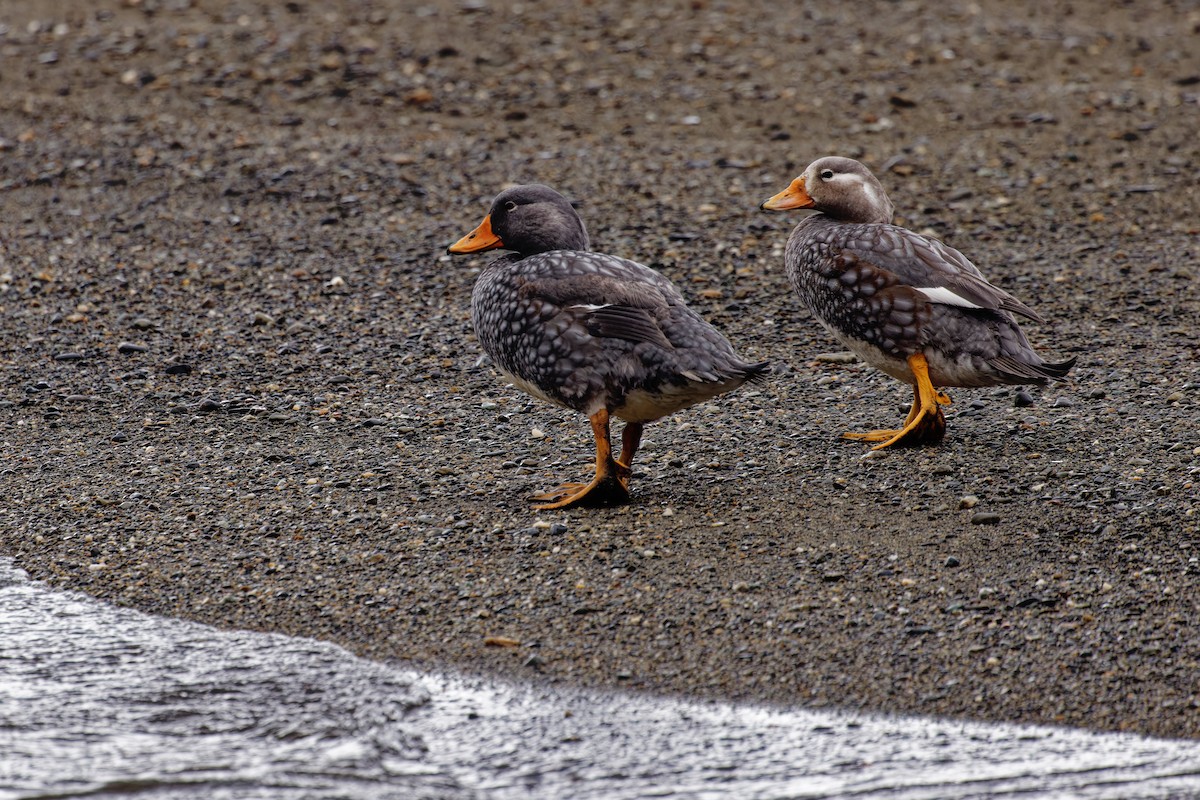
(611, 484)
(925, 424)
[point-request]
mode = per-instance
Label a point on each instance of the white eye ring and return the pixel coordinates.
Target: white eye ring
(826, 174)
(510, 206)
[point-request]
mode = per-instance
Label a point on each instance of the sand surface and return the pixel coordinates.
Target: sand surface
(240, 383)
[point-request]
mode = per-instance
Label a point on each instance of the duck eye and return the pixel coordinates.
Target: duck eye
(510, 206)
(826, 174)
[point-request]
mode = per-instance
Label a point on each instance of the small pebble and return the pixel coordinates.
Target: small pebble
(836, 358)
(179, 369)
(1063, 402)
(1023, 399)
(500, 641)
(984, 518)
(951, 561)
(68, 356)
(130, 347)
(968, 501)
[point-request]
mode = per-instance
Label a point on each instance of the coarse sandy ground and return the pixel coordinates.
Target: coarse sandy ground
(240, 383)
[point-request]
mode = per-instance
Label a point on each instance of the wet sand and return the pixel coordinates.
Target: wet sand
(240, 384)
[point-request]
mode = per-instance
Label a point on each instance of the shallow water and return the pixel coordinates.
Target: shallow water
(105, 702)
(102, 701)
(530, 742)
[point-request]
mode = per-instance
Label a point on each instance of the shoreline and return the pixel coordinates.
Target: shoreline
(242, 387)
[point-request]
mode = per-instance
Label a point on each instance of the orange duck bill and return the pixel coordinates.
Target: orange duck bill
(482, 238)
(794, 196)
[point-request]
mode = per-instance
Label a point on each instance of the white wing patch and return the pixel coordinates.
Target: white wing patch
(590, 307)
(940, 294)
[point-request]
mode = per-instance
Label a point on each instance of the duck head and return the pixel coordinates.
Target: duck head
(527, 220)
(842, 188)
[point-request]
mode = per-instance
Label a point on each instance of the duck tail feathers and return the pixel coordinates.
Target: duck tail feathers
(757, 373)
(1024, 372)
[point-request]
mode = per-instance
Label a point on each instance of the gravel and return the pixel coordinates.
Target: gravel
(240, 384)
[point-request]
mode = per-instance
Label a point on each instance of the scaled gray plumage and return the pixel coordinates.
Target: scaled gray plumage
(890, 294)
(589, 331)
